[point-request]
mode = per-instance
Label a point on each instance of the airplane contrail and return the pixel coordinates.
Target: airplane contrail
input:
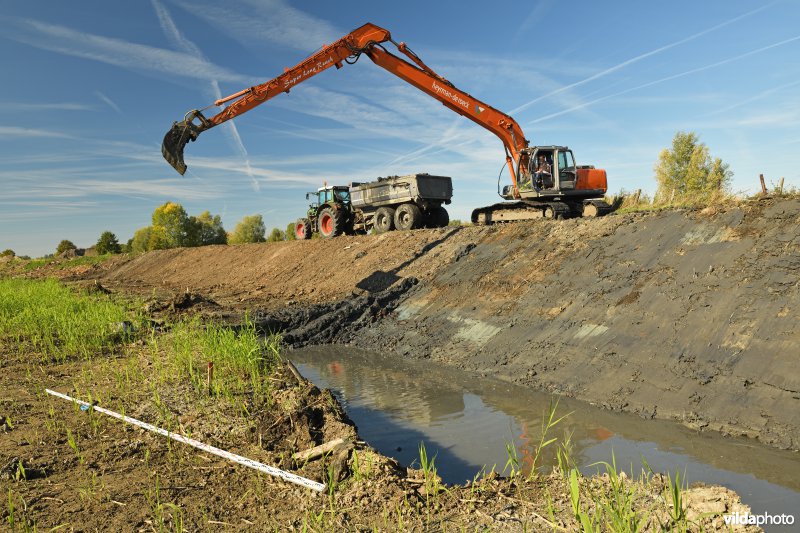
(760, 95)
(668, 78)
(173, 33)
(637, 59)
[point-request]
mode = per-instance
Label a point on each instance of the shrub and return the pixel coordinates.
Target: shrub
(290, 232)
(276, 235)
(206, 229)
(65, 245)
(141, 240)
(107, 244)
(249, 229)
(687, 170)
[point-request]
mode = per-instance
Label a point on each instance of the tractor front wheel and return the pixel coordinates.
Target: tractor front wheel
(302, 229)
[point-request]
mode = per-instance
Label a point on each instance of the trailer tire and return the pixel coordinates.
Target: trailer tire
(438, 217)
(408, 216)
(384, 220)
(330, 222)
(302, 229)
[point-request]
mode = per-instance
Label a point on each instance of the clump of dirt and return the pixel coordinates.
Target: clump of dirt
(92, 287)
(177, 303)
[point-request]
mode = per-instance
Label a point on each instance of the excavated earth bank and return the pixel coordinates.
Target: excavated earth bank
(686, 315)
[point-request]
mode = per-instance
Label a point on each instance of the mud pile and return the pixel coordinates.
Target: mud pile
(687, 315)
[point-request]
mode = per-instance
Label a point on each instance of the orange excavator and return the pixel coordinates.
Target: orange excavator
(545, 180)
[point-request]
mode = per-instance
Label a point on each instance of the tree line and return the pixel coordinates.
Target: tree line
(172, 227)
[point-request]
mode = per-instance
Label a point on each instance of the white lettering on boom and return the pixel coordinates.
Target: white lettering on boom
(441, 91)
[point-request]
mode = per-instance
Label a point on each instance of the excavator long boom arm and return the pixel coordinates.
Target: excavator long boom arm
(365, 40)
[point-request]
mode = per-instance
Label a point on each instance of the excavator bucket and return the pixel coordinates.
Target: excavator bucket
(175, 141)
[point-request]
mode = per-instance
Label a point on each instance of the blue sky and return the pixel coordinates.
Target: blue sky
(90, 89)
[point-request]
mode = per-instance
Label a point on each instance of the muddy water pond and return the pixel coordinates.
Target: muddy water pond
(467, 422)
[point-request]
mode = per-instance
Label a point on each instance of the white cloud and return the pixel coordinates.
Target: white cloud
(183, 188)
(784, 118)
(42, 106)
(118, 52)
(272, 21)
(14, 132)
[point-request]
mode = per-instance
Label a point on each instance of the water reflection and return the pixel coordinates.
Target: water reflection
(468, 421)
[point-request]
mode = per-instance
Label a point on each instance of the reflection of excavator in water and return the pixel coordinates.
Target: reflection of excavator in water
(545, 181)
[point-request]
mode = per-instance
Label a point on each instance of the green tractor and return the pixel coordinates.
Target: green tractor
(329, 213)
(396, 202)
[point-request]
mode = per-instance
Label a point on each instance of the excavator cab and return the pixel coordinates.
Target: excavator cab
(550, 171)
(553, 168)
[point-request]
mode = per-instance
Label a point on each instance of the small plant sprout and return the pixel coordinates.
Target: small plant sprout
(512, 464)
(675, 489)
(11, 518)
(549, 421)
(74, 445)
(20, 474)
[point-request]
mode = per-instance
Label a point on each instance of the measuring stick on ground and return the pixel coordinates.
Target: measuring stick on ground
(261, 467)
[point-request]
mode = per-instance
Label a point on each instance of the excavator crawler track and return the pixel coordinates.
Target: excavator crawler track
(513, 211)
(595, 208)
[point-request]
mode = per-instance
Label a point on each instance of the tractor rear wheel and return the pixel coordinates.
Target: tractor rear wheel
(408, 216)
(384, 220)
(331, 222)
(302, 229)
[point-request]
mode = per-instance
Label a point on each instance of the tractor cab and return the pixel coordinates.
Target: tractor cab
(338, 194)
(327, 195)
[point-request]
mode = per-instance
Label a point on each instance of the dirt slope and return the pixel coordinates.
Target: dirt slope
(677, 314)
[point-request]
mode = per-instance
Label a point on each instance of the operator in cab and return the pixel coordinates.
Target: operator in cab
(543, 173)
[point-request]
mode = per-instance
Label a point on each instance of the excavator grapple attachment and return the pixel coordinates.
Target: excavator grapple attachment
(175, 141)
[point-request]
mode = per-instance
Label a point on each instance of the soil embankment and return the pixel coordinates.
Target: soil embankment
(686, 315)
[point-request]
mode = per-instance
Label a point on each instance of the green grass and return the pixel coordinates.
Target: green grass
(49, 318)
(242, 359)
(62, 264)
(33, 264)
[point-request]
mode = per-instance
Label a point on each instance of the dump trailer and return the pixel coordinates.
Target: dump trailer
(396, 202)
